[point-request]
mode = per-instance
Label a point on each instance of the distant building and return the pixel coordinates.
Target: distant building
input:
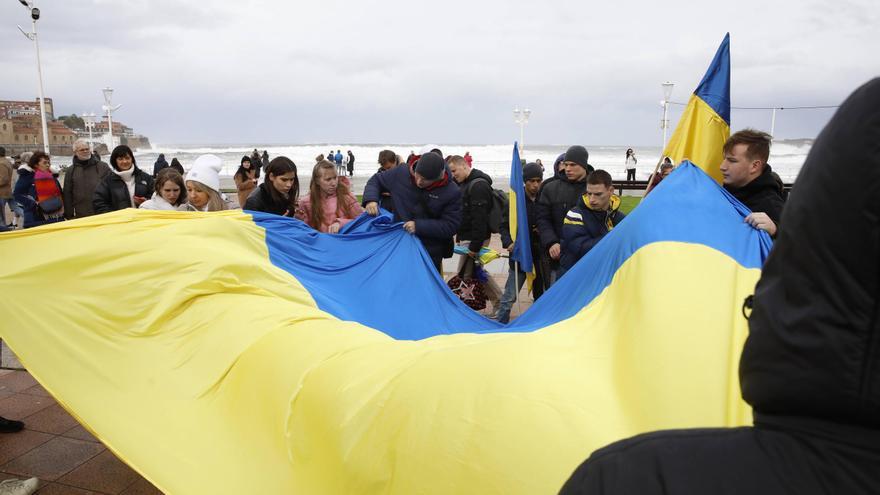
(10, 109)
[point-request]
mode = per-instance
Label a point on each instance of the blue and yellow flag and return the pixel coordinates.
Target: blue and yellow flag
(238, 353)
(519, 221)
(705, 124)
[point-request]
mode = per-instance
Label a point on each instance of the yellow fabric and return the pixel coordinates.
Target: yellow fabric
(699, 137)
(210, 371)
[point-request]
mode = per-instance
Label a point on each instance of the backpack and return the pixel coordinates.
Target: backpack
(497, 207)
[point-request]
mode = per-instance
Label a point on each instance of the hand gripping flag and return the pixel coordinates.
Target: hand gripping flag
(239, 353)
(705, 124)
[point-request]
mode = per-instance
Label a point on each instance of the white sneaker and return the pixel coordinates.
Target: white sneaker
(19, 487)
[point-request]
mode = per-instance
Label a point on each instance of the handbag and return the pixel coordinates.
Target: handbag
(470, 290)
(50, 205)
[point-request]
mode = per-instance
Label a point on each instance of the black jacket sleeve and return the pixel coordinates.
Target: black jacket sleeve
(545, 218)
(102, 201)
(480, 203)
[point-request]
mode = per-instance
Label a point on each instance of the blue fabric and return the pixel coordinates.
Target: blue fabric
(714, 89)
(687, 206)
(522, 246)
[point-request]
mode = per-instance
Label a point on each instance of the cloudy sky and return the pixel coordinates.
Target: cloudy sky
(274, 71)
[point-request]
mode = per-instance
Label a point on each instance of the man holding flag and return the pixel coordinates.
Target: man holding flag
(525, 181)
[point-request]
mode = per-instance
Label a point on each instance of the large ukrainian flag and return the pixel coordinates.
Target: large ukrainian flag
(238, 353)
(705, 124)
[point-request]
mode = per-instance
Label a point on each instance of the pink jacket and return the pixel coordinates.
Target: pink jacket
(331, 212)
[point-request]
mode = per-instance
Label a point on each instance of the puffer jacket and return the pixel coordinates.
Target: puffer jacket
(112, 193)
(476, 202)
(558, 195)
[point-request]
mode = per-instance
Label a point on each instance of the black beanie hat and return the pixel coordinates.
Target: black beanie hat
(577, 154)
(532, 171)
(430, 166)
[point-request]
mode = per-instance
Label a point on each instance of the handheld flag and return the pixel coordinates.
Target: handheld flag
(519, 221)
(705, 124)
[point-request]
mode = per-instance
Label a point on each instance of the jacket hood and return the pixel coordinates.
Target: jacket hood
(24, 167)
(814, 334)
(477, 174)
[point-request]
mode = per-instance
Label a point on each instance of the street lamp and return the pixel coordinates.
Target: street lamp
(109, 108)
(35, 15)
(521, 117)
(664, 124)
(90, 119)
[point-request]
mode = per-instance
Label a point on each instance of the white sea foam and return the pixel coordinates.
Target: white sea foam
(786, 157)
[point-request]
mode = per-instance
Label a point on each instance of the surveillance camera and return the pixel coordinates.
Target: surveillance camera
(35, 13)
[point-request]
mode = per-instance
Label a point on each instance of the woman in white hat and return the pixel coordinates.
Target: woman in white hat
(203, 184)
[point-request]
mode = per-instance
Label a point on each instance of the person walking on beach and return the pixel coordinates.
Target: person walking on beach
(749, 178)
(245, 179)
(556, 198)
(587, 223)
(175, 164)
(350, 164)
(337, 158)
(264, 162)
(81, 180)
(38, 192)
(631, 162)
(425, 199)
(169, 193)
(203, 184)
(279, 193)
(476, 200)
(468, 158)
(330, 205)
(532, 175)
(160, 165)
(126, 187)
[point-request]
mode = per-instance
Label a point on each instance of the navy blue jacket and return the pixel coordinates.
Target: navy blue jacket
(583, 228)
(436, 210)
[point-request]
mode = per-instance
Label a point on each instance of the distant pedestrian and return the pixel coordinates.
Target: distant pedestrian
(330, 205)
(126, 187)
(81, 180)
(160, 165)
(264, 162)
(175, 164)
(39, 192)
(350, 164)
(170, 193)
(203, 184)
(631, 162)
(468, 158)
(245, 179)
(279, 193)
(340, 167)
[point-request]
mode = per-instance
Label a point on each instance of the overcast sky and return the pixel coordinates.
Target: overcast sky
(273, 71)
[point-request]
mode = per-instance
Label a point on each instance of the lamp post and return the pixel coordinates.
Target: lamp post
(90, 119)
(664, 124)
(35, 15)
(521, 117)
(109, 108)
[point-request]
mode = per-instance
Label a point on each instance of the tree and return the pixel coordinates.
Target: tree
(73, 121)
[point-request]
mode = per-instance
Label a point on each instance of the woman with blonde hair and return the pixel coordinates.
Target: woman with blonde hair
(330, 204)
(203, 184)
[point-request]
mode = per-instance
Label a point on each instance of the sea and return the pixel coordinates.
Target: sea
(786, 157)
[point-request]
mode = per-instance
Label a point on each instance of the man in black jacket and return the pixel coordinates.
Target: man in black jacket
(476, 203)
(556, 198)
(810, 367)
(748, 177)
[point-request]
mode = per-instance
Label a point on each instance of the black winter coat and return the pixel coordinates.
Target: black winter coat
(557, 196)
(112, 193)
(810, 367)
(436, 211)
(476, 203)
(260, 199)
(762, 194)
(385, 200)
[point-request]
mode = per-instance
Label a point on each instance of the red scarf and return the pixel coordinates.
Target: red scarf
(434, 185)
(46, 186)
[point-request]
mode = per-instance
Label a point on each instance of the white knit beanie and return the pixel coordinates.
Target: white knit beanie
(206, 170)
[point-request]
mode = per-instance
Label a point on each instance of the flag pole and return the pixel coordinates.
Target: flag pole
(516, 286)
(651, 179)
